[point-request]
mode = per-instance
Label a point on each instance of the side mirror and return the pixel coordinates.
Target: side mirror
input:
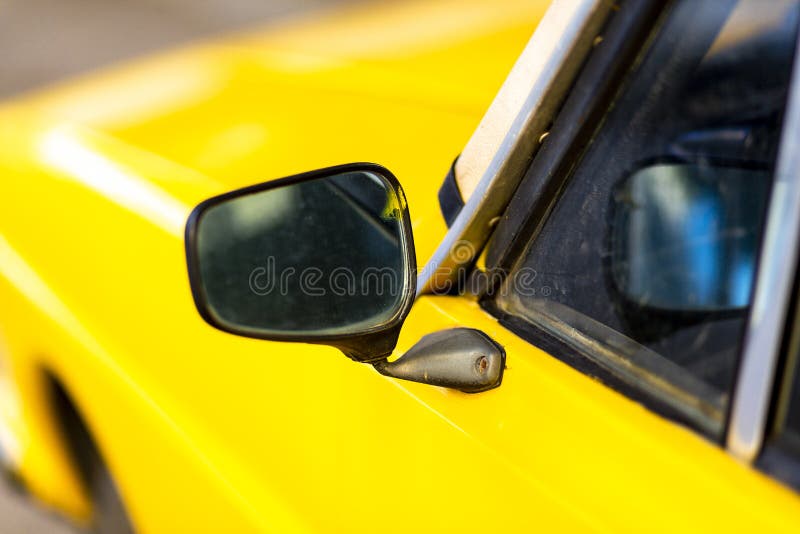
(684, 237)
(323, 257)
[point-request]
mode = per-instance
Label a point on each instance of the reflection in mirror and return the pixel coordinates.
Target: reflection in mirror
(314, 257)
(684, 237)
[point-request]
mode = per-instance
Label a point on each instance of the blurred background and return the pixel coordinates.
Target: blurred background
(44, 41)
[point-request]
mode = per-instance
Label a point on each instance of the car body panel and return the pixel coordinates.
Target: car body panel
(205, 431)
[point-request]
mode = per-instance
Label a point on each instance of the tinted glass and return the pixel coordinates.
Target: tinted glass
(660, 299)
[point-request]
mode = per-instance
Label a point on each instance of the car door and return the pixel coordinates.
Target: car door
(625, 265)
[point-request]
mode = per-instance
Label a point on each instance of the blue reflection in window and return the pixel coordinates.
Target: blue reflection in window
(704, 254)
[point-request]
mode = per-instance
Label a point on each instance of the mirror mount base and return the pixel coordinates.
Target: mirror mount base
(459, 358)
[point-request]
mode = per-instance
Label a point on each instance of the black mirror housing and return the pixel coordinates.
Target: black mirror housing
(323, 257)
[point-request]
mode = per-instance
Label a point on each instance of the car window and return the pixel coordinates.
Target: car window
(646, 263)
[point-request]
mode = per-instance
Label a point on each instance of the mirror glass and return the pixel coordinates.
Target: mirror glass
(313, 257)
(684, 237)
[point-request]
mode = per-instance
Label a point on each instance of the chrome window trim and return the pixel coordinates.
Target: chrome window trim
(773, 288)
(496, 156)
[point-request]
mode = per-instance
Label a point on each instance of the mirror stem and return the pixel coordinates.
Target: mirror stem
(459, 358)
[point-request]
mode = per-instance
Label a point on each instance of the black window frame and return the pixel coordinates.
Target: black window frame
(780, 454)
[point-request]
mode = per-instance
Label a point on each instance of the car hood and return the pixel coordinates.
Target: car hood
(100, 174)
(403, 85)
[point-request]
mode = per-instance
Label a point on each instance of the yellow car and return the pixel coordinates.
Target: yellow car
(573, 309)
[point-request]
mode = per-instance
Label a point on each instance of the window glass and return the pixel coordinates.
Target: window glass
(647, 260)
